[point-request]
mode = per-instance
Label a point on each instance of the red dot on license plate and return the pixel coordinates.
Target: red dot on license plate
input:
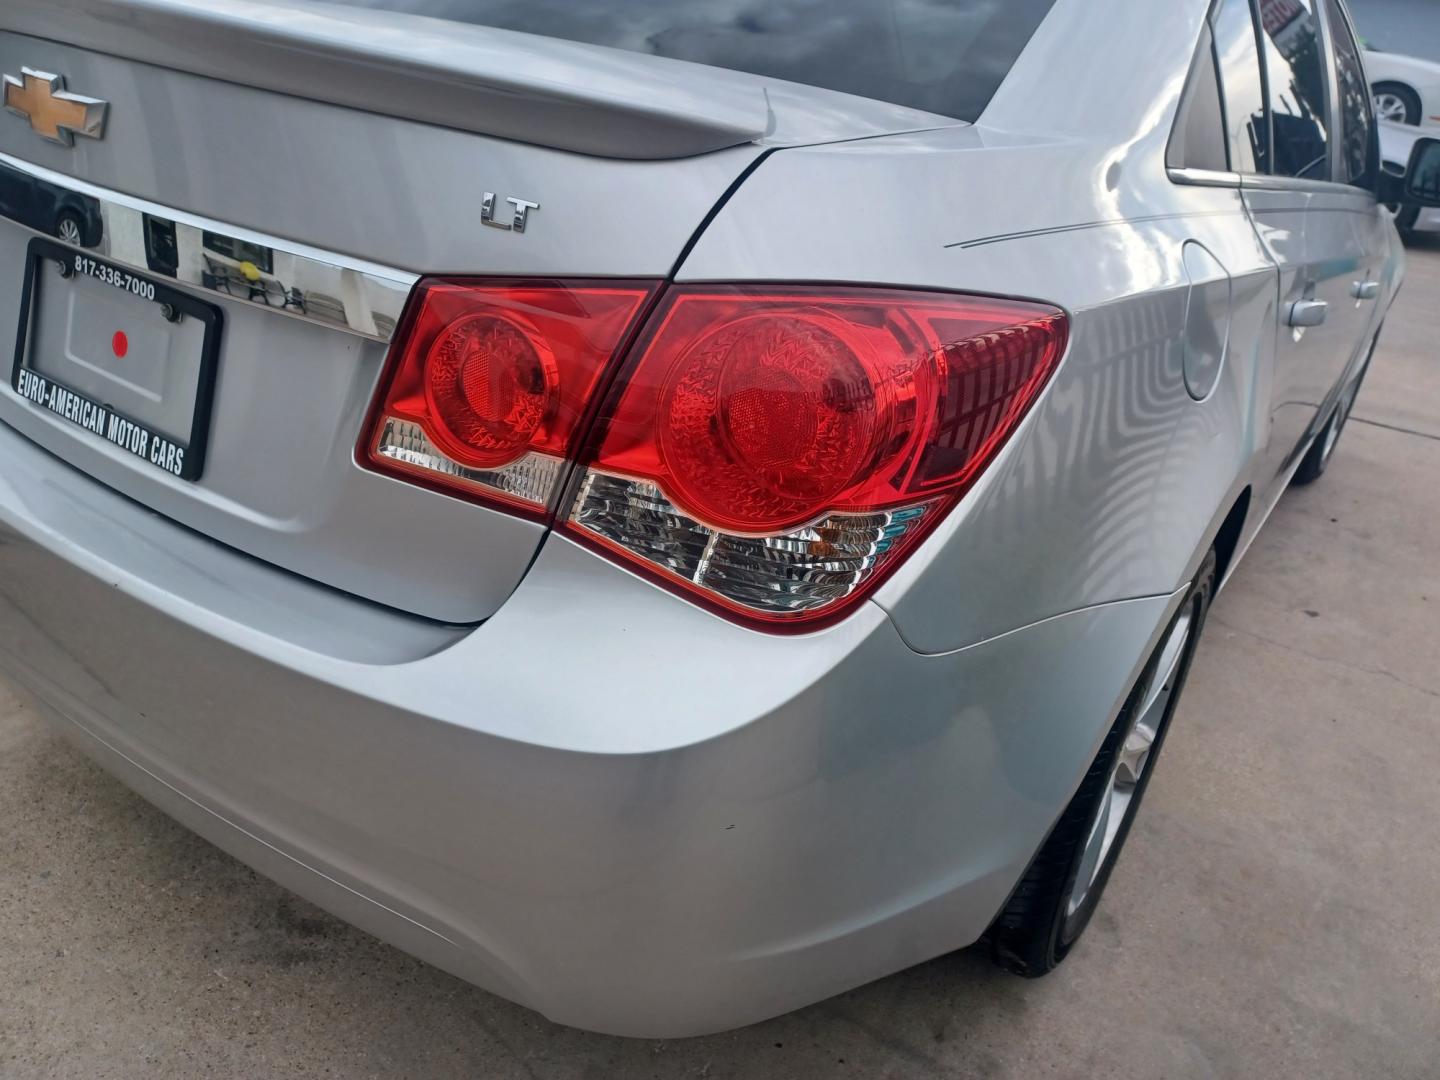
(120, 344)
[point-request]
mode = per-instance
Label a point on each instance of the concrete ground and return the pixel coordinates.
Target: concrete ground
(1276, 913)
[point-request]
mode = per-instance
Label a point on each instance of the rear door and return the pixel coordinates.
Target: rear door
(1345, 225)
(1357, 165)
(1306, 219)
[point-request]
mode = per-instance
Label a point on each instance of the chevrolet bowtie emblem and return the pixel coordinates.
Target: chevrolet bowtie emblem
(53, 112)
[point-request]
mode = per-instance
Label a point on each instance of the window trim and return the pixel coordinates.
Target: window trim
(1203, 177)
(1189, 174)
(1270, 181)
(1329, 87)
(1177, 145)
(1338, 165)
(1332, 92)
(1257, 27)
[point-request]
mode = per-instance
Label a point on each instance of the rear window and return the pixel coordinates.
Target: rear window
(943, 56)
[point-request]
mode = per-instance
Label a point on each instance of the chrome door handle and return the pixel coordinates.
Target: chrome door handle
(1365, 290)
(1308, 312)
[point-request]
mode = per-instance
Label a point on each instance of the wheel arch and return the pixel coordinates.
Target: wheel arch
(1227, 536)
(1405, 89)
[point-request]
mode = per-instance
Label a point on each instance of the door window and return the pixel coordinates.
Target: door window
(1353, 115)
(1247, 127)
(1296, 75)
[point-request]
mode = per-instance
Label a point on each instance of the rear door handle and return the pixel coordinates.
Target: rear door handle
(1365, 290)
(1308, 312)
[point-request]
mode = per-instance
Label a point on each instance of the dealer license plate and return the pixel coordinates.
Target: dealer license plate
(127, 358)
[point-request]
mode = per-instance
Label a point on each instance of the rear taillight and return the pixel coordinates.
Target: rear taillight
(774, 452)
(770, 452)
(490, 382)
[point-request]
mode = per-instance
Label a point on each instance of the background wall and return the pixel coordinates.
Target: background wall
(1402, 26)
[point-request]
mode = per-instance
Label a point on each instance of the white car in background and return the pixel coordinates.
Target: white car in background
(1406, 92)
(1406, 89)
(1397, 142)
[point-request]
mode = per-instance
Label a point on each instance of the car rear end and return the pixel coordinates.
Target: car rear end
(386, 501)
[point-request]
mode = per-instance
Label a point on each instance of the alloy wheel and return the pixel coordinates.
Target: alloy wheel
(1391, 107)
(1130, 764)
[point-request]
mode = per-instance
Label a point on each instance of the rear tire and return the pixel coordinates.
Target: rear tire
(1056, 898)
(1317, 458)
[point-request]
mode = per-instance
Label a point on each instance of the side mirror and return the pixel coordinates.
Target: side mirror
(1422, 175)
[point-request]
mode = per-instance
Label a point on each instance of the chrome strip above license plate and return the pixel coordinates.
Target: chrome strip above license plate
(282, 276)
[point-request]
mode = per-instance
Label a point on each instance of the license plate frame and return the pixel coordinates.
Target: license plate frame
(84, 411)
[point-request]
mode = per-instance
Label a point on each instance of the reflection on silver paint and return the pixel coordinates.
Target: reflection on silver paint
(288, 279)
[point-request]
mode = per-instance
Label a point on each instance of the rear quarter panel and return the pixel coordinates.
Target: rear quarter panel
(1117, 481)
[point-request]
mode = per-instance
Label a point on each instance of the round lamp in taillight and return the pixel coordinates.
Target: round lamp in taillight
(768, 419)
(491, 382)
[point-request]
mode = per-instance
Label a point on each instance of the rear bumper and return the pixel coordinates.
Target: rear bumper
(603, 803)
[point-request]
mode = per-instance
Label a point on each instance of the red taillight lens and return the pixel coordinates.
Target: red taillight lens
(764, 419)
(771, 452)
(774, 452)
(490, 380)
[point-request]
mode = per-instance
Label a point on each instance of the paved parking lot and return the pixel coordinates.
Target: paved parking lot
(1274, 915)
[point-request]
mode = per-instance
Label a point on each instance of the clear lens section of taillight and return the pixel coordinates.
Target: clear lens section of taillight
(489, 383)
(774, 452)
(787, 574)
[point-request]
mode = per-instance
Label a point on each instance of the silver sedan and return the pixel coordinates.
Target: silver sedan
(666, 511)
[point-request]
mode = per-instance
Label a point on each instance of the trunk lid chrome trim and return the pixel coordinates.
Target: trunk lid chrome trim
(286, 277)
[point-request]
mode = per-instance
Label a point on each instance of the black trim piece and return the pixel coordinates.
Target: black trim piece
(715, 211)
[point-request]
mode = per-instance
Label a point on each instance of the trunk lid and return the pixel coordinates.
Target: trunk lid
(305, 207)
